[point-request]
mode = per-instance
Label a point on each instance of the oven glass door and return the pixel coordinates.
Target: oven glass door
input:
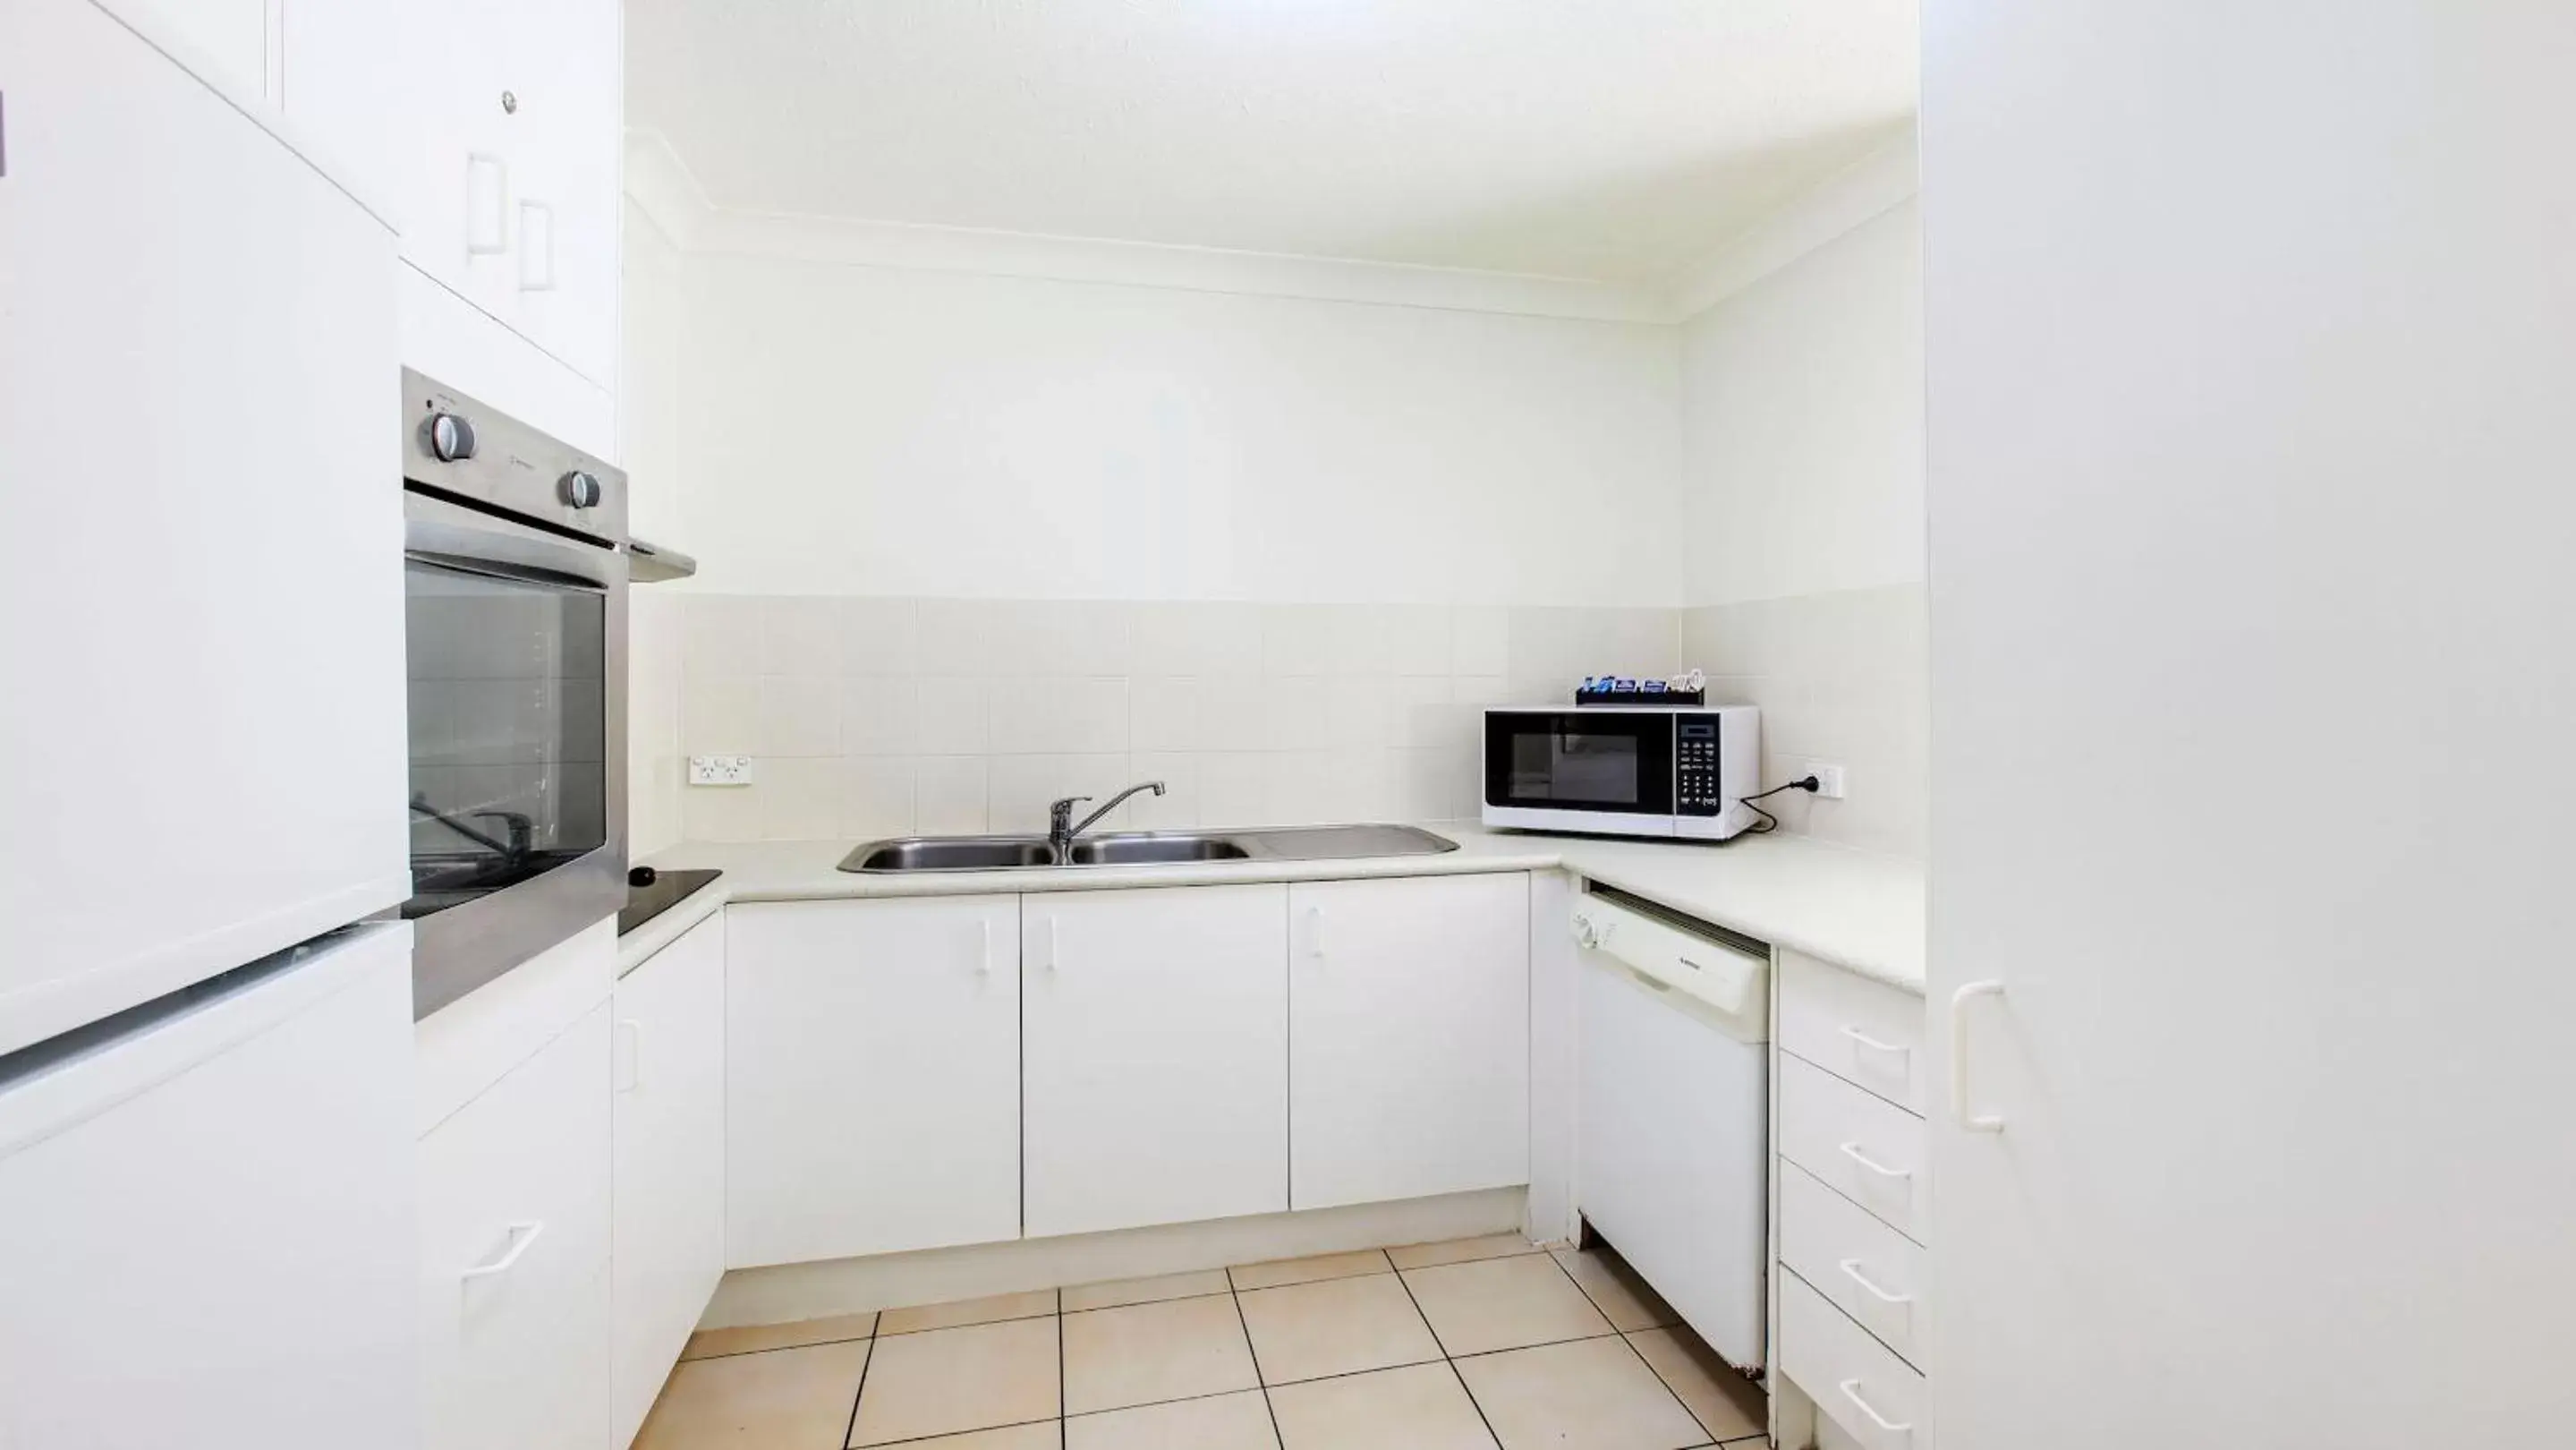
(1604, 761)
(509, 726)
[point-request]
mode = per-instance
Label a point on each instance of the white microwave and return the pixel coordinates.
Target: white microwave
(1620, 770)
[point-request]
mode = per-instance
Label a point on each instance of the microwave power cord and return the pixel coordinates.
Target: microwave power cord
(1771, 822)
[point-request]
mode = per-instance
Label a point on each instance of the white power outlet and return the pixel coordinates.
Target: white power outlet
(1829, 780)
(719, 770)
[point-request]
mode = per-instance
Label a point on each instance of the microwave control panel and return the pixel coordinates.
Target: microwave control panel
(1696, 788)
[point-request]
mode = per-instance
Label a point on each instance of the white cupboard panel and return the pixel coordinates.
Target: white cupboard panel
(182, 405)
(514, 1261)
(1864, 1148)
(1871, 1272)
(1861, 1031)
(667, 1247)
(225, 41)
(198, 1247)
(1156, 1056)
(873, 1084)
(1879, 1399)
(1408, 1038)
(448, 338)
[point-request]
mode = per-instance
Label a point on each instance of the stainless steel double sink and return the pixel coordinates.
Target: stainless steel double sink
(1142, 848)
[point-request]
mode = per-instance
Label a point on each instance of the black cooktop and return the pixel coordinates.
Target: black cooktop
(650, 892)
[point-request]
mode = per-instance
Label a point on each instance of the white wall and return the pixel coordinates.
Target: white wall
(2252, 340)
(877, 431)
(648, 408)
(1802, 420)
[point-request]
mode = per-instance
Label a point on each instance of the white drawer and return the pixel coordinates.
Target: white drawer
(1863, 1147)
(1870, 1271)
(1860, 1031)
(1854, 1380)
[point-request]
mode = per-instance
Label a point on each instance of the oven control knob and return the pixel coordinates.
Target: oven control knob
(580, 490)
(451, 437)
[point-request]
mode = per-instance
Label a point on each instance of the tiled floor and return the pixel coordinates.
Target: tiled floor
(1470, 1345)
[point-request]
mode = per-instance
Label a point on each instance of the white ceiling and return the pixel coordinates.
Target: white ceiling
(1614, 140)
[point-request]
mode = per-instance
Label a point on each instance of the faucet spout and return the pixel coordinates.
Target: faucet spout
(1061, 826)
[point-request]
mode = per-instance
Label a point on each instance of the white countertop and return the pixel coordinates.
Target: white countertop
(1859, 911)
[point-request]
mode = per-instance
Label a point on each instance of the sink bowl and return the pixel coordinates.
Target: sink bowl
(951, 853)
(1143, 848)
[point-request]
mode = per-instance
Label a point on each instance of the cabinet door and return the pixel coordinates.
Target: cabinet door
(1156, 1062)
(227, 41)
(667, 1045)
(872, 1077)
(1408, 1005)
(464, 139)
(206, 1224)
(198, 446)
(514, 1224)
(567, 161)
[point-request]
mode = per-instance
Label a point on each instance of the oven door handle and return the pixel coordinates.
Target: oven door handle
(452, 536)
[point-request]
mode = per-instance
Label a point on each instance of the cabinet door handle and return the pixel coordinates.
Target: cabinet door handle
(1055, 942)
(1315, 932)
(1873, 1044)
(536, 247)
(522, 1237)
(1971, 1122)
(1853, 1152)
(1851, 1392)
(487, 205)
(1851, 1271)
(634, 1031)
(984, 962)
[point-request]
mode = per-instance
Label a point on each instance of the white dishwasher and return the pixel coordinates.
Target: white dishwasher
(1672, 1115)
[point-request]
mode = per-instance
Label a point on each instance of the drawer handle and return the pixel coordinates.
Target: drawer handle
(984, 960)
(1851, 1271)
(1851, 1392)
(1874, 1045)
(1853, 1152)
(633, 1031)
(522, 1237)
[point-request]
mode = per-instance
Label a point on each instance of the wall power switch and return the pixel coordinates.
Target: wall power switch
(719, 770)
(1829, 780)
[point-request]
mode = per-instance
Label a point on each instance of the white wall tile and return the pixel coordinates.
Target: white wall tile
(1162, 713)
(1480, 640)
(1358, 712)
(1233, 788)
(1023, 785)
(1296, 639)
(1417, 639)
(953, 715)
(879, 715)
(800, 637)
(799, 798)
(800, 716)
(1194, 638)
(720, 636)
(876, 797)
(956, 637)
(949, 794)
(720, 716)
(1234, 712)
(1300, 712)
(721, 813)
(1421, 713)
(877, 637)
(1177, 808)
(1059, 716)
(1431, 785)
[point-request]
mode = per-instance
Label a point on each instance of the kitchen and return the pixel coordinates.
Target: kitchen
(1291, 725)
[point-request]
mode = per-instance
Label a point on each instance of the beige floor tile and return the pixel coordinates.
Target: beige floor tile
(1044, 1435)
(1614, 1289)
(991, 1309)
(1306, 1271)
(753, 1401)
(708, 1343)
(1141, 1353)
(1725, 1403)
(1460, 1251)
(1335, 1326)
(1219, 1422)
(1503, 1304)
(1145, 1291)
(1594, 1394)
(946, 1381)
(1422, 1407)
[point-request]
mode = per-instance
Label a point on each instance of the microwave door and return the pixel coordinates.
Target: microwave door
(1604, 771)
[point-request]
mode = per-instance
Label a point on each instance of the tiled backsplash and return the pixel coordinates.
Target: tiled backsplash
(874, 717)
(1840, 677)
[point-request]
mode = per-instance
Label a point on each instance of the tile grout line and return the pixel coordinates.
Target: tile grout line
(1630, 1345)
(1446, 1359)
(850, 1431)
(1260, 1380)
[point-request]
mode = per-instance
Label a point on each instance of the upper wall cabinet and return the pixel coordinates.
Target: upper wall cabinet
(511, 129)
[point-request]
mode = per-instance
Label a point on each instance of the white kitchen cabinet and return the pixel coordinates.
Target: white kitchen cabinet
(198, 430)
(1155, 1057)
(513, 122)
(514, 1254)
(667, 1111)
(873, 1077)
(1408, 1009)
(227, 40)
(206, 1221)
